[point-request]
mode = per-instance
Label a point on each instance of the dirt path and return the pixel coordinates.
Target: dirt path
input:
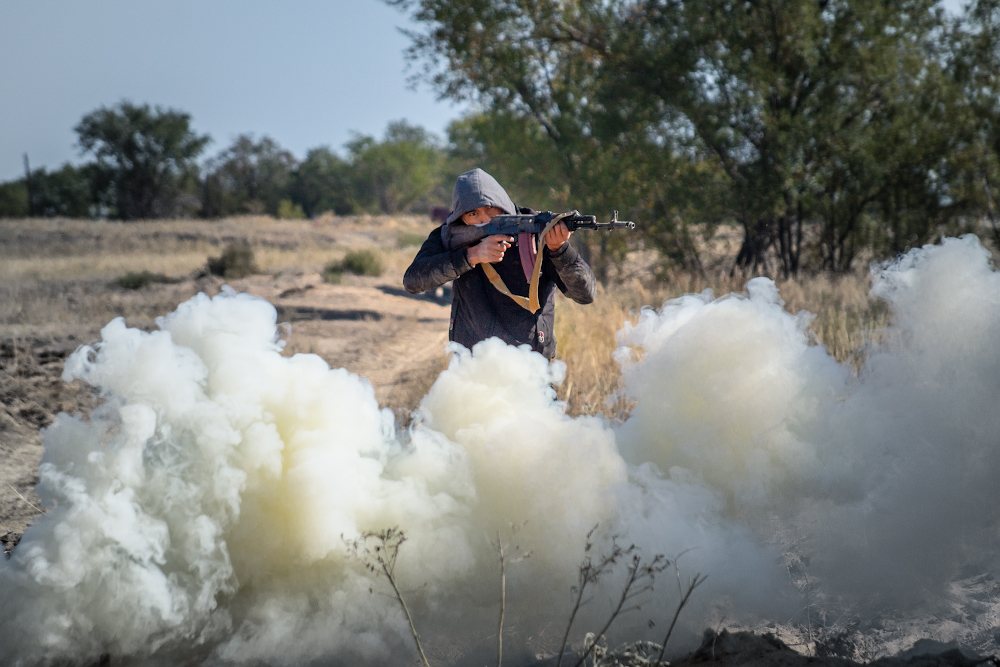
(378, 331)
(372, 328)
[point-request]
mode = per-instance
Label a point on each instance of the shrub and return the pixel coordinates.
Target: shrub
(288, 210)
(406, 239)
(333, 272)
(140, 279)
(14, 199)
(358, 262)
(236, 261)
(363, 263)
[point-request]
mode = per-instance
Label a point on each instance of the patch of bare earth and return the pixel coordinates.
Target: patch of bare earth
(32, 393)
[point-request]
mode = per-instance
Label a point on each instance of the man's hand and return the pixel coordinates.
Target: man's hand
(557, 237)
(491, 249)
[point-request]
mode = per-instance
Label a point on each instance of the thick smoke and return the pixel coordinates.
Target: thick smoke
(201, 512)
(887, 482)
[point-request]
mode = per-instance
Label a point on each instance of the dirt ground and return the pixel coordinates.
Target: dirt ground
(58, 287)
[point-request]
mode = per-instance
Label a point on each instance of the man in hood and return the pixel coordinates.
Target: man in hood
(478, 309)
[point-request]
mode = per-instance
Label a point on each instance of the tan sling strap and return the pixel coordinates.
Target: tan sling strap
(530, 303)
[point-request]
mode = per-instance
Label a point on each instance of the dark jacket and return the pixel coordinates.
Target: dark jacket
(479, 311)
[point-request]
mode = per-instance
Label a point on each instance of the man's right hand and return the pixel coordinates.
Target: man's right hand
(490, 249)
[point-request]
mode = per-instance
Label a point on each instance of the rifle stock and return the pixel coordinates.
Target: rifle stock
(459, 235)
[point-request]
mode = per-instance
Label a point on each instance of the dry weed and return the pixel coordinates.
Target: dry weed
(847, 321)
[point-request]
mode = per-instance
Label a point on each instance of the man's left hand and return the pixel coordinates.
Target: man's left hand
(557, 237)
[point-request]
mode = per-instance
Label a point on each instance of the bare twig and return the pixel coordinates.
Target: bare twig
(37, 509)
(382, 557)
(638, 581)
(590, 572)
(694, 583)
(583, 580)
(503, 601)
(503, 583)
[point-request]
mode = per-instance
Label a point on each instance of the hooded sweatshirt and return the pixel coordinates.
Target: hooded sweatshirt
(478, 310)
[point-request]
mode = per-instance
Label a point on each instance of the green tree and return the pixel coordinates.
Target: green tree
(13, 199)
(400, 173)
(248, 177)
(147, 157)
(816, 111)
(68, 192)
(975, 64)
(324, 181)
(819, 126)
(515, 150)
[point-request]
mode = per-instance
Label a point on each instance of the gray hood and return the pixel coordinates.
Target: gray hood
(477, 188)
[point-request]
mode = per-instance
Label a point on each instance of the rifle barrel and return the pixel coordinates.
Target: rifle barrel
(602, 226)
(458, 236)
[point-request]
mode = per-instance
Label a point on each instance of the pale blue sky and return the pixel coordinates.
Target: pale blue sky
(306, 72)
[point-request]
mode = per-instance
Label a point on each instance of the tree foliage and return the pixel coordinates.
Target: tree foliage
(14, 200)
(323, 182)
(811, 109)
(247, 177)
(69, 192)
(145, 155)
(402, 172)
(821, 127)
(975, 69)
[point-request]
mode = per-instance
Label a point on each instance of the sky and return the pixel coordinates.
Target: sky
(306, 72)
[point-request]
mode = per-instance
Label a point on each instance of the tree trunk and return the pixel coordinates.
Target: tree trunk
(758, 236)
(27, 186)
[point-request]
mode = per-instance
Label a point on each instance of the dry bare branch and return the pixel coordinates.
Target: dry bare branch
(378, 553)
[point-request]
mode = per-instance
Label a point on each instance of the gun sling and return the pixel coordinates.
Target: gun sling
(531, 302)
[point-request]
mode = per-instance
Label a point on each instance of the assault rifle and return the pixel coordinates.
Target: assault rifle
(461, 236)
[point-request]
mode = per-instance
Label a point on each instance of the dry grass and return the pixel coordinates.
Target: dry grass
(60, 275)
(847, 321)
(105, 265)
(46, 249)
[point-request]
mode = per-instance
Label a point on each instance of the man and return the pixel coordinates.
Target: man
(478, 309)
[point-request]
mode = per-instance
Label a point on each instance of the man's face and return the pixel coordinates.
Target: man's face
(481, 215)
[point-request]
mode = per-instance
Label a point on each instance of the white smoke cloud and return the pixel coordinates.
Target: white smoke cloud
(202, 510)
(914, 451)
(884, 481)
(724, 389)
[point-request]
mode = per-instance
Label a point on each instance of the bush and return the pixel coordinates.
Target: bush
(406, 239)
(236, 261)
(363, 263)
(140, 279)
(358, 262)
(13, 199)
(290, 211)
(333, 273)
